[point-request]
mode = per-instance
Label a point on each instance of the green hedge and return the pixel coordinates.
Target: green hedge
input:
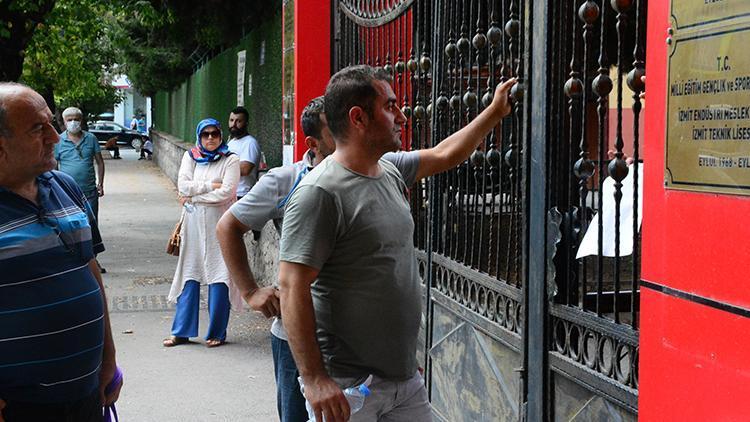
(212, 92)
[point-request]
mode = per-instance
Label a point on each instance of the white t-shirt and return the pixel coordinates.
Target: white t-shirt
(248, 150)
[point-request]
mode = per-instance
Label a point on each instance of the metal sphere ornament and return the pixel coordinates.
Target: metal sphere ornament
(451, 50)
(425, 63)
(583, 169)
(479, 41)
(477, 158)
(455, 102)
(621, 6)
(574, 88)
(464, 46)
(419, 112)
(618, 169)
(513, 27)
(602, 85)
(406, 110)
(588, 12)
(495, 34)
(487, 99)
(510, 157)
(400, 66)
(442, 103)
(516, 93)
(470, 99)
(635, 83)
(412, 65)
(493, 157)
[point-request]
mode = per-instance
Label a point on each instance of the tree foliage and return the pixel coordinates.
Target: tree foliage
(68, 49)
(71, 57)
(162, 41)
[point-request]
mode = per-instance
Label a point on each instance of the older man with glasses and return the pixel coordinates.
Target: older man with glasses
(58, 356)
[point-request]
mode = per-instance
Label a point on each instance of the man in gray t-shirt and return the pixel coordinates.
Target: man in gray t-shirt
(349, 285)
(266, 201)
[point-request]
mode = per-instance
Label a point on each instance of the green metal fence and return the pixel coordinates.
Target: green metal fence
(212, 92)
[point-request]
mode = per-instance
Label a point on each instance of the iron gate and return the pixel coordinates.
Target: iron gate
(516, 327)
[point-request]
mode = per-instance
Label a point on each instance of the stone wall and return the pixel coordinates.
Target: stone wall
(263, 253)
(168, 152)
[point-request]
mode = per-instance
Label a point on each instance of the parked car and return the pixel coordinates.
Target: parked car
(105, 130)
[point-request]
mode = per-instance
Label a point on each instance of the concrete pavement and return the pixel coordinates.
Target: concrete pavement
(233, 382)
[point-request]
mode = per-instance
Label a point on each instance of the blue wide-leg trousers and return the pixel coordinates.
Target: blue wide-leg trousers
(186, 315)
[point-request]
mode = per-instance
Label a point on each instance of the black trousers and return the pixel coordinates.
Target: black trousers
(115, 150)
(87, 409)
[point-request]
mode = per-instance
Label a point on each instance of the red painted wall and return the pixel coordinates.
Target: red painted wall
(312, 59)
(694, 359)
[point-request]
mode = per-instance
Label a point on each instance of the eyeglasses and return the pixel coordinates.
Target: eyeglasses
(211, 134)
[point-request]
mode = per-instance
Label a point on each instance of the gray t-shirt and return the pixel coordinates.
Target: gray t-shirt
(357, 231)
(265, 201)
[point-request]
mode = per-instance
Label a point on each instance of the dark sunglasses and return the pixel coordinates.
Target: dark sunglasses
(211, 134)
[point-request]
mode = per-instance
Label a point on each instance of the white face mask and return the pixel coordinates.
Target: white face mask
(73, 126)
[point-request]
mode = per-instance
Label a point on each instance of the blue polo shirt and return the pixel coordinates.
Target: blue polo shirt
(51, 309)
(78, 160)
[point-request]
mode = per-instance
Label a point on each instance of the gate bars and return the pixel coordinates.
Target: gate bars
(499, 234)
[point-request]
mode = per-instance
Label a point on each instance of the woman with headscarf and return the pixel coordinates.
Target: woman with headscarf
(207, 184)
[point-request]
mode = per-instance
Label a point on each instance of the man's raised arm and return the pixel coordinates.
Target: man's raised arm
(456, 148)
(323, 394)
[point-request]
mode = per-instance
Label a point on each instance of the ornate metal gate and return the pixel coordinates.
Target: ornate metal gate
(517, 327)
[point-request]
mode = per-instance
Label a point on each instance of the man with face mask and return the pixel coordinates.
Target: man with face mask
(246, 147)
(76, 153)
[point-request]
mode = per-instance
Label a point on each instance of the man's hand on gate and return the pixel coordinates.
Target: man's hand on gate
(327, 399)
(501, 99)
(264, 300)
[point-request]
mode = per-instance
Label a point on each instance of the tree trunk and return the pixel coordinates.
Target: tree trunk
(21, 23)
(12, 64)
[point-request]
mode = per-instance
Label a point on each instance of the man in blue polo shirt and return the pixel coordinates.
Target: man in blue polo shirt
(76, 153)
(57, 349)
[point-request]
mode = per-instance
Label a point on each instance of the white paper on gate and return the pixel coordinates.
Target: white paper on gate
(590, 243)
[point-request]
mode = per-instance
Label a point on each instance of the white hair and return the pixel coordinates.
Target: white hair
(7, 90)
(72, 111)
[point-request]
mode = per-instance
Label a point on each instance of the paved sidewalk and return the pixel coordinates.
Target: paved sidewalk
(185, 383)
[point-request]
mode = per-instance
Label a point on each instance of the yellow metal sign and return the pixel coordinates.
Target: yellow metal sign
(708, 109)
(697, 13)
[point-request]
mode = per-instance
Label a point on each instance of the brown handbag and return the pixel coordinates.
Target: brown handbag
(173, 244)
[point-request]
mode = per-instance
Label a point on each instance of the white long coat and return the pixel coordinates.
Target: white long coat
(200, 256)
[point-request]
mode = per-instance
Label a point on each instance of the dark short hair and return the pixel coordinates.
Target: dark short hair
(241, 110)
(351, 87)
(310, 119)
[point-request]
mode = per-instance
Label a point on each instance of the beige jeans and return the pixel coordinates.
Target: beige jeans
(392, 401)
